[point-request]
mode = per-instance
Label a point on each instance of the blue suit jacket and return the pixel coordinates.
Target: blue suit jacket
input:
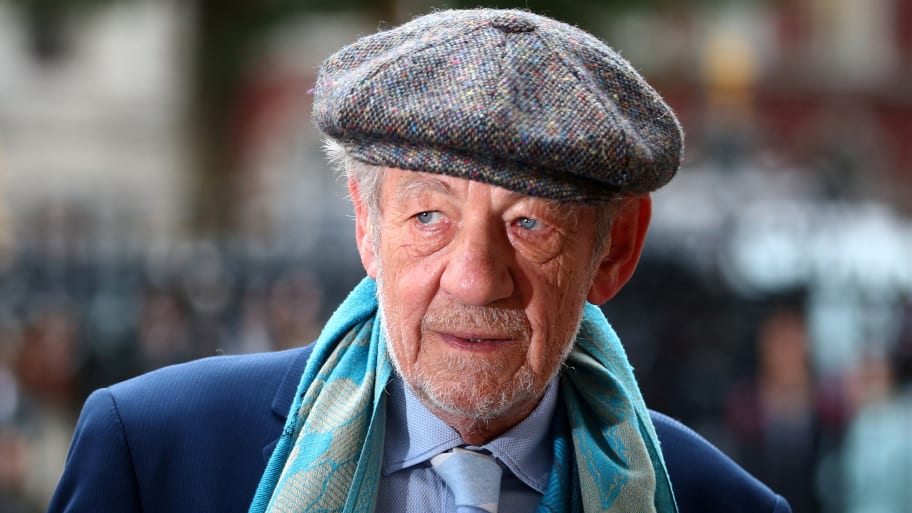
(195, 438)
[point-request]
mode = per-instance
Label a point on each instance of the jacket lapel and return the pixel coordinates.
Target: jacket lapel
(281, 403)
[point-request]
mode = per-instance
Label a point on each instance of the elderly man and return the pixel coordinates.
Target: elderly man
(499, 164)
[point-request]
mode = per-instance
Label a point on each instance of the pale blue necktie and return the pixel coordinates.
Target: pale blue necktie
(474, 479)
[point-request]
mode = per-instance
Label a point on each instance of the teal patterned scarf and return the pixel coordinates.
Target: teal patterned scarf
(606, 453)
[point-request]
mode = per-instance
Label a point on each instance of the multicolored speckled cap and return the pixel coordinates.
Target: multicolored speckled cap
(504, 97)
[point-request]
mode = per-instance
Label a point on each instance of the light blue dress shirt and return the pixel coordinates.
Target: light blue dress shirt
(414, 436)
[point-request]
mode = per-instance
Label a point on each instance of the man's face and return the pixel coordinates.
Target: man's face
(481, 290)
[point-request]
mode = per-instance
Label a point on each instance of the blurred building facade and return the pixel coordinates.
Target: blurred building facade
(93, 122)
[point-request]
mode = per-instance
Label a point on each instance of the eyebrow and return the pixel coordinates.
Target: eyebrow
(418, 184)
(421, 183)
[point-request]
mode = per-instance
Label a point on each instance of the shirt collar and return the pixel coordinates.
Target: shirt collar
(415, 435)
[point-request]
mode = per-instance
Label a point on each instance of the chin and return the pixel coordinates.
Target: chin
(460, 399)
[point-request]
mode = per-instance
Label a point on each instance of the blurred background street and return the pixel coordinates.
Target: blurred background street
(163, 197)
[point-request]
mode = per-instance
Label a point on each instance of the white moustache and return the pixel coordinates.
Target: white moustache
(493, 322)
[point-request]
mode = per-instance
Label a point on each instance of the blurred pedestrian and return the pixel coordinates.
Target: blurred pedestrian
(877, 454)
(774, 417)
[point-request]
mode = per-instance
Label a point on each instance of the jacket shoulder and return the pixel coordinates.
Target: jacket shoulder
(188, 437)
(214, 397)
(705, 480)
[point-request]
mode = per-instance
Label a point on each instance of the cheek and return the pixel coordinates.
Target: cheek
(555, 311)
(406, 291)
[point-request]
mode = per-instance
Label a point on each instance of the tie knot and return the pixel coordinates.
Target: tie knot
(473, 477)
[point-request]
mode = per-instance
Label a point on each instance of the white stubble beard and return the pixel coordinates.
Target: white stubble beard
(458, 397)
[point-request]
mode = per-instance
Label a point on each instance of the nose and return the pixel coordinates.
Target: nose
(478, 266)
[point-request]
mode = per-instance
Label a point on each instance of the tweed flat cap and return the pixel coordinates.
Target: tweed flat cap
(504, 97)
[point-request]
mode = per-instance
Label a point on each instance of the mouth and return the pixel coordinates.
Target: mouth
(474, 342)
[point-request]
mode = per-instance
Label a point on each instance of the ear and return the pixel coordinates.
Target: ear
(362, 231)
(628, 233)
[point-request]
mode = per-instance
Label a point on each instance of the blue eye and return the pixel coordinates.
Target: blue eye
(431, 217)
(528, 223)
